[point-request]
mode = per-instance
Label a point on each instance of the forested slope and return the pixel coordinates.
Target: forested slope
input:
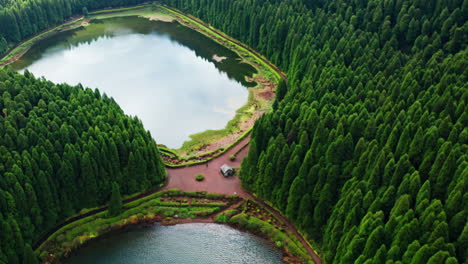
(20, 19)
(366, 150)
(61, 148)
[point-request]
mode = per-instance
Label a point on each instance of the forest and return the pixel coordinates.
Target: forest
(62, 149)
(365, 150)
(22, 19)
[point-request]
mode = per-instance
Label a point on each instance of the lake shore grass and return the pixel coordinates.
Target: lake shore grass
(205, 143)
(20, 49)
(175, 207)
(253, 217)
(267, 78)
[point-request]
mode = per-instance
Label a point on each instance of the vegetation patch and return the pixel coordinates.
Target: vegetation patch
(267, 78)
(173, 160)
(200, 177)
(251, 216)
(171, 207)
(168, 207)
(20, 49)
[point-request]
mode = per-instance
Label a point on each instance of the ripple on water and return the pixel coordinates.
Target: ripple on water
(180, 244)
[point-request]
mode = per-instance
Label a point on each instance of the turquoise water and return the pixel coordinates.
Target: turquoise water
(163, 73)
(180, 244)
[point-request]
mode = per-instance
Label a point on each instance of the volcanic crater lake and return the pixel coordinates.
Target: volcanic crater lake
(163, 73)
(179, 244)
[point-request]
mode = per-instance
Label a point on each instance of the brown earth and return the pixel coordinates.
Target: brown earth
(184, 179)
(267, 92)
(228, 140)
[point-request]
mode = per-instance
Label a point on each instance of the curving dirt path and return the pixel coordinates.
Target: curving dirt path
(292, 229)
(184, 179)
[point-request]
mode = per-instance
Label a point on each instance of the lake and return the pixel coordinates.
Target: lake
(179, 244)
(163, 73)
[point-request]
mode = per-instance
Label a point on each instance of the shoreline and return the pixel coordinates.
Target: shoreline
(284, 259)
(209, 143)
(78, 234)
(267, 78)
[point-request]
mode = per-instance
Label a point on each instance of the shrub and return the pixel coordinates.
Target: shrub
(279, 244)
(200, 177)
(221, 218)
(232, 157)
(206, 212)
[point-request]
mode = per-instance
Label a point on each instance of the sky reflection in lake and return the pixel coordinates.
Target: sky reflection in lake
(174, 91)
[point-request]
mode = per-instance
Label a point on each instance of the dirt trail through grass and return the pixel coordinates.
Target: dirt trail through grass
(184, 179)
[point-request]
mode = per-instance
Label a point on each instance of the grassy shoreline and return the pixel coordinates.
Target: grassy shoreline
(175, 207)
(254, 105)
(198, 144)
(19, 50)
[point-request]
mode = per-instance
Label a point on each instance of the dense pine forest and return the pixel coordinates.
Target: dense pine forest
(20, 19)
(366, 150)
(62, 148)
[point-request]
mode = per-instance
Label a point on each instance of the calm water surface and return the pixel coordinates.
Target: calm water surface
(163, 73)
(180, 244)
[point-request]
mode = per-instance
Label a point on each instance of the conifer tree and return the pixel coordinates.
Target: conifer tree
(29, 257)
(115, 203)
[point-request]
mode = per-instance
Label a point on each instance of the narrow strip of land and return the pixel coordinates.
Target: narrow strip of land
(21, 48)
(184, 179)
(292, 229)
(271, 65)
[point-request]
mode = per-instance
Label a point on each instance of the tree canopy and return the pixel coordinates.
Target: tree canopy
(366, 149)
(22, 19)
(61, 147)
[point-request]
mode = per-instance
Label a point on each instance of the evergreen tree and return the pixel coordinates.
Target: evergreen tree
(51, 170)
(375, 93)
(85, 11)
(115, 203)
(29, 257)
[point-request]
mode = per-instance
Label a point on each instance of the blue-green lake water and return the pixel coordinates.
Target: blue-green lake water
(179, 244)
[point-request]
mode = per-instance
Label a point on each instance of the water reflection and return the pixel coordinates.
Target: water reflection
(181, 244)
(162, 72)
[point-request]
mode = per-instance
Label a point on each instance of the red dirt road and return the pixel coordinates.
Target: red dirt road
(184, 178)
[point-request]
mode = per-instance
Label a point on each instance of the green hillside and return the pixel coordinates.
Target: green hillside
(366, 150)
(61, 148)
